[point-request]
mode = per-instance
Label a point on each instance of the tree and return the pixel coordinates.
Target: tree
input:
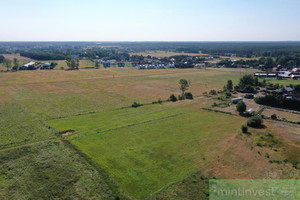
(269, 63)
(77, 64)
(2, 58)
(184, 84)
(213, 92)
(229, 85)
(16, 64)
(97, 64)
(246, 80)
(188, 95)
(241, 107)
(7, 64)
(72, 63)
(244, 128)
(135, 105)
(173, 98)
(262, 60)
(255, 122)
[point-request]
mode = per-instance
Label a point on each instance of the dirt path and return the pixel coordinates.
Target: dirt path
(26, 145)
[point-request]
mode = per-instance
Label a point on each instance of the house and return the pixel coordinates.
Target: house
(271, 75)
(295, 77)
(151, 66)
(106, 65)
(45, 66)
(121, 64)
(288, 90)
(171, 66)
(295, 71)
(284, 91)
(141, 67)
(28, 65)
(134, 64)
(200, 65)
(160, 66)
(260, 74)
(236, 100)
(284, 74)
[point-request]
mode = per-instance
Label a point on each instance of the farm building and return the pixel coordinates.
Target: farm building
(262, 74)
(26, 66)
(284, 91)
(295, 77)
(236, 100)
(45, 66)
(250, 111)
(296, 71)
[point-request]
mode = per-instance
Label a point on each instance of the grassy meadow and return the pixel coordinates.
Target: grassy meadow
(49, 170)
(113, 150)
(148, 149)
(284, 82)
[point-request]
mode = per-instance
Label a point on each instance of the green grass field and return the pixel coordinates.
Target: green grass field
(147, 148)
(116, 150)
(284, 82)
(49, 170)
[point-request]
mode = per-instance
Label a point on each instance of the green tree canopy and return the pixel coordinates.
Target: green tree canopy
(241, 107)
(184, 84)
(229, 85)
(7, 64)
(246, 80)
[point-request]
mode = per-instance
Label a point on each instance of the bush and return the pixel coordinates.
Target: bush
(259, 144)
(173, 98)
(255, 122)
(189, 95)
(244, 128)
(135, 105)
(249, 88)
(279, 102)
(181, 97)
(213, 92)
(241, 107)
(274, 116)
(228, 94)
(159, 101)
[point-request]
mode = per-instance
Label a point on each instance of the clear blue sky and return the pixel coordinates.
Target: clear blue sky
(151, 20)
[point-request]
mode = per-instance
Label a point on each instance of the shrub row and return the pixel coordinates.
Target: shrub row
(272, 100)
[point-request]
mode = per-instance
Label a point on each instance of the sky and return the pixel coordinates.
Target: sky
(151, 20)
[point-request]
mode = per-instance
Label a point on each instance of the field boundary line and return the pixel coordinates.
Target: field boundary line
(79, 135)
(114, 186)
(27, 144)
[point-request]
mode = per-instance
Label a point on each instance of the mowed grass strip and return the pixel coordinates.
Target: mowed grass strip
(147, 157)
(103, 121)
